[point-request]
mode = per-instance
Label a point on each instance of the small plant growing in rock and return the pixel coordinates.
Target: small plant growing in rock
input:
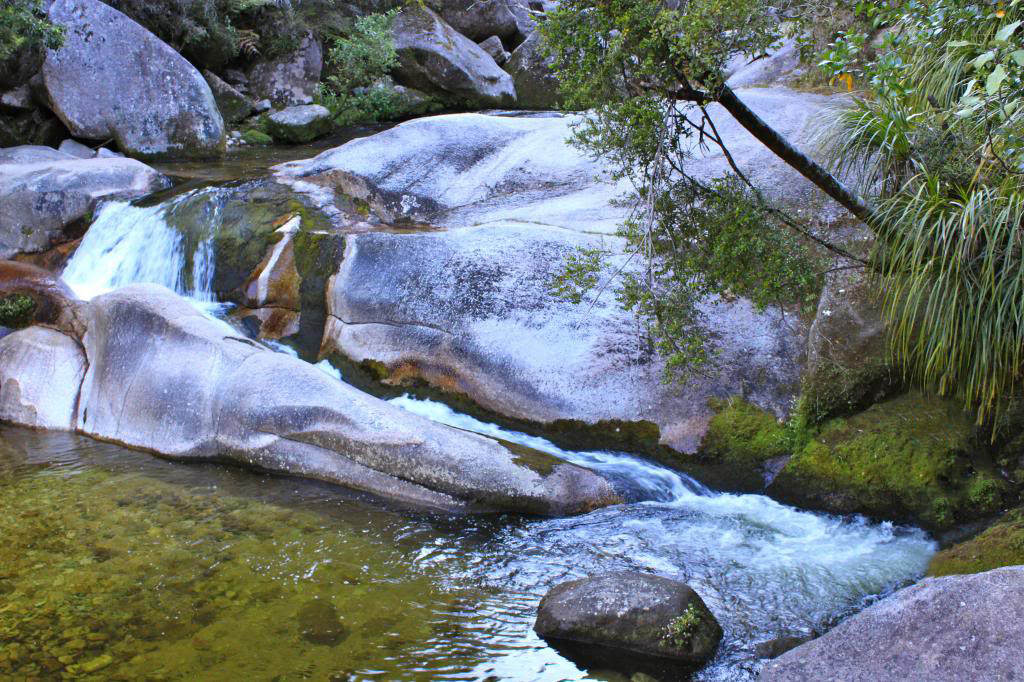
(16, 311)
(681, 630)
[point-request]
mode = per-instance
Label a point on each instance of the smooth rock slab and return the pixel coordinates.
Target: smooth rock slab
(486, 169)
(952, 629)
(39, 200)
(638, 612)
(114, 79)
(163, 377)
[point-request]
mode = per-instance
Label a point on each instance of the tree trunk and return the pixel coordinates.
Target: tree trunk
(806, 166)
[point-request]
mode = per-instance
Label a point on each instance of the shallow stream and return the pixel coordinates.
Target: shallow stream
(119, 565)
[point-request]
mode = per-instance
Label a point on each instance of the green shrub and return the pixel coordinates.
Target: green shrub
(356, 88)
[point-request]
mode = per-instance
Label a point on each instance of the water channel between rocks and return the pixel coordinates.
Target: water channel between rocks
(119, 565)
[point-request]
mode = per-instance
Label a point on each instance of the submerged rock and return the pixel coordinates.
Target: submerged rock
(435, 58)
(96, 86)
(319, 623)
(299, 124)
(40, 200)
(953, 628)
(642, 613)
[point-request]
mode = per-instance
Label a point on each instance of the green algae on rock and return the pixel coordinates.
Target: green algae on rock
(1000, 545)
(908, 458)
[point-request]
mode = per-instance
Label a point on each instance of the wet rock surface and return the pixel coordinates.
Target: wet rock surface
(94, 83)
(941, 629)
(642, 613)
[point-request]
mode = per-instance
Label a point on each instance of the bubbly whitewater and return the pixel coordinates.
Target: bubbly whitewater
(765, 569)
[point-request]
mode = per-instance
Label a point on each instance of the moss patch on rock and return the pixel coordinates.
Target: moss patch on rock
(743, 434)
(909, 458)
(1001, 545)
(256, 137)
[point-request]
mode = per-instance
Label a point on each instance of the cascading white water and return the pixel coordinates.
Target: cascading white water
(129, 244)
(764, 568)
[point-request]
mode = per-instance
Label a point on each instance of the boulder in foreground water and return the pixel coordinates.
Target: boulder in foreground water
(113, 79)
(965, 627)
(162, 377)
(644, 614)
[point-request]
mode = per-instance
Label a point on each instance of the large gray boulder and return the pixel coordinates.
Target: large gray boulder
(638, 612)
(165, 378)
(965, 627)
(485, 169)
(290, 79)
(536, 84)
(32, 153)
(510, 20)
(437, 59)
(114, 79)
(41, 199)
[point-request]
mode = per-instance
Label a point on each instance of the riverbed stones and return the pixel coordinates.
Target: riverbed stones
(638, 612)
(437, 59)
(299, 124)
(43, 198)
(940, 630)
(96, 86)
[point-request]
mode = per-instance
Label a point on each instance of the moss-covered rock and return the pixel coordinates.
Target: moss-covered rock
(256, 137)
(1001, 545)
(743, 434)
(909, 458)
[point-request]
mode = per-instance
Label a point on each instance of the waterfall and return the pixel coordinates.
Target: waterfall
(129, 244)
